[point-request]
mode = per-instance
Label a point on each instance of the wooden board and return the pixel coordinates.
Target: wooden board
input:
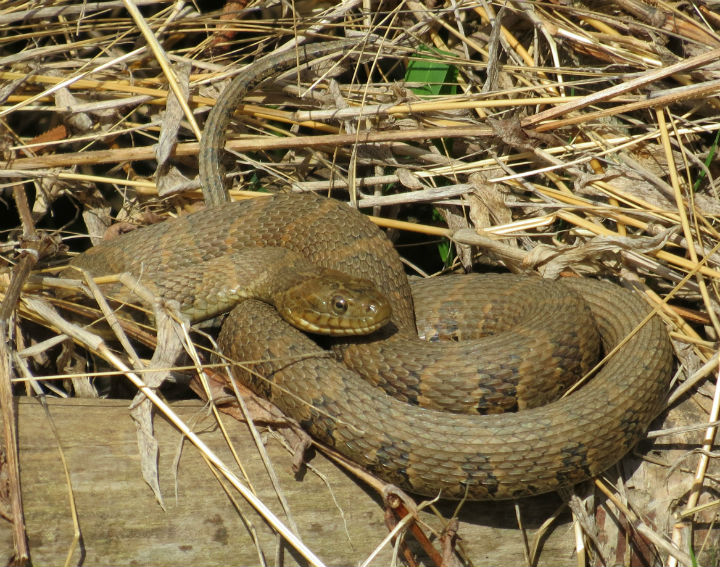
(122, 524)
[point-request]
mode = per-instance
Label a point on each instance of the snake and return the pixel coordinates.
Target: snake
(407, 440)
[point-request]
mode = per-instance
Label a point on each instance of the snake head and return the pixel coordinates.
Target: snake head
(333, 303)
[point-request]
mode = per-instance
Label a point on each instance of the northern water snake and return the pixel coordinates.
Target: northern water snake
(423, 450)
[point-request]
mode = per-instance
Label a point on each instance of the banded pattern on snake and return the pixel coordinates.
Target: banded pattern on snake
(423, 450)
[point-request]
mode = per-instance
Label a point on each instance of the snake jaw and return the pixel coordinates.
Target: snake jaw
(334, 304)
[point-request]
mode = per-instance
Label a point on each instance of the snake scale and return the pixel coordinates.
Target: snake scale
(423, 450)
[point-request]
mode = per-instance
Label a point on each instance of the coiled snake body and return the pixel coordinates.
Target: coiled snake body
(427, 451)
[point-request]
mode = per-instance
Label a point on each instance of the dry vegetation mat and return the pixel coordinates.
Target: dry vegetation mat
(555, 138)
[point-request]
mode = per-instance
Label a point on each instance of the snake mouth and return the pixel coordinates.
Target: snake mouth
(356, 317)
(338, 332)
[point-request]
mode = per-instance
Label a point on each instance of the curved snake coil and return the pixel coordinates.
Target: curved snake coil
(480, 457)
(425, 451)
(422, 450)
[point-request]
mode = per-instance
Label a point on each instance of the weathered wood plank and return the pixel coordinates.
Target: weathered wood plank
(122, 524)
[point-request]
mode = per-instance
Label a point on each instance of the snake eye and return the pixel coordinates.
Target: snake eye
(339, 304)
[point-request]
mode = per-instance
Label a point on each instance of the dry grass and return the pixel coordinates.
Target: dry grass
(565, 139)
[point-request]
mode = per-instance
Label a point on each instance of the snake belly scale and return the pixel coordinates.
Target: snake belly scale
(426, 451)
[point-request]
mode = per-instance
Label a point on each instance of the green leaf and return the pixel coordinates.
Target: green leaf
(708, 161)
(444, 247)
(435, 77)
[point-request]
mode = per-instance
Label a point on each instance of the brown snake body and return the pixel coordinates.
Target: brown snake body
(423, 450)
